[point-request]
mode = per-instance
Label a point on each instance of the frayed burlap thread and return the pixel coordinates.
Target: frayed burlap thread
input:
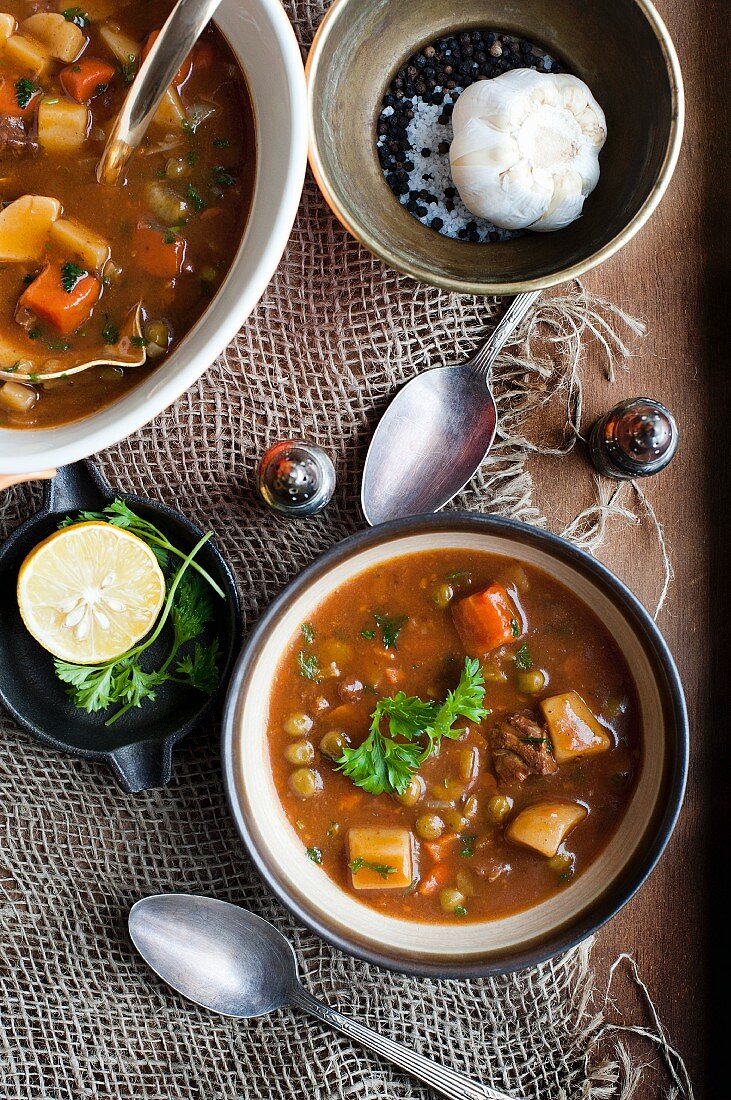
(80, 1015)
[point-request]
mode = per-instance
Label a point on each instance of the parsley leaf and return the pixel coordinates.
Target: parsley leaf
(315, 854)
(128, 69)
(369, 635)
(25, 89)
(382, 869)
(196, 198)
(467, 848)
(222, 177)
(71, 274)
(390, 627)
(110, 332)
(515, 628)
(308, 633)
(523, 659)
(308, 665)
(382, 763)
(77, 16)
(199, 669)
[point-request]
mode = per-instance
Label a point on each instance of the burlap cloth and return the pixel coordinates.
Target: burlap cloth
(81, 1016)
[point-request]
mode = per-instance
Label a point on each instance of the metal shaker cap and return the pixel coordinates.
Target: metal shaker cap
(296, 478)
(636, 438)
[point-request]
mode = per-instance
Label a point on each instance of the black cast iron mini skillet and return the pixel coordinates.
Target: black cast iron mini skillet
(138, 748)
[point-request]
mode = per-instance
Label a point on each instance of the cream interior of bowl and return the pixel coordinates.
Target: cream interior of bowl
(263, 40)
(279, 845)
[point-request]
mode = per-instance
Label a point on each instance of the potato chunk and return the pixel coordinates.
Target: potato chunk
(27, 55)
(171, 112)
(380, 858)
(56, 34)
(544, 826)
(574, 730)
(24, 227)
(124, 48)
(17, 398)
(62, 125)
(7, 25)
(80, 242)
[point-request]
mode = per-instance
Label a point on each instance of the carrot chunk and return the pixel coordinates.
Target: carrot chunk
(12, 95)
(441, 849)
(487, 620)
(86, 78)
(62, 296)
(185, 69)
(158, 251)
(437, 877)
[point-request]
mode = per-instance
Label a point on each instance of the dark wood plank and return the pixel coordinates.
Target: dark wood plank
(672, 275)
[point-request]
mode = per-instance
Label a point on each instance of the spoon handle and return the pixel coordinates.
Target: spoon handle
(483, 359)
(447, 1082)
(179, 34)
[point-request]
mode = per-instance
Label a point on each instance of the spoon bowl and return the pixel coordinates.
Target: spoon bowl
(223, 958)
(436, 432)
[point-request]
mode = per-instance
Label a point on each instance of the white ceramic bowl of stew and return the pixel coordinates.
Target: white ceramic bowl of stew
(474, 946)
(263, 40)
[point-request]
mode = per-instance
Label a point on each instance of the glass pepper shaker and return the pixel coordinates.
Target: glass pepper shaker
(636, 438)
(296, 478)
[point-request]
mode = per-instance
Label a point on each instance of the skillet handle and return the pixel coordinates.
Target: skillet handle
(78, 487)
(143, 765)
(6, 480)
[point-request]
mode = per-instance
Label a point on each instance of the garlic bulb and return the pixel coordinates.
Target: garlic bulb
(526, 148)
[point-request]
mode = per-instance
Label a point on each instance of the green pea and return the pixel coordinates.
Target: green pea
(499, 807)
(531, 682)
(451, 899)
(298, 724)
(414, 792)
(442, 596)
(333, 743)
(300, 752)
(429, 826)
(305, 782)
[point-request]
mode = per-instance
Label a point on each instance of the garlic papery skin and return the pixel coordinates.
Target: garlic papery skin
(526, 146)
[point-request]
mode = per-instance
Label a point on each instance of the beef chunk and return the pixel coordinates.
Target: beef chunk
(14, 137)
(520, 747)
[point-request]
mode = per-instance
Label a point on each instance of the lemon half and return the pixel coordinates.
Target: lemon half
(88, 593)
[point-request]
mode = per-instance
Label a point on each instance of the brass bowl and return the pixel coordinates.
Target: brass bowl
(621, 48)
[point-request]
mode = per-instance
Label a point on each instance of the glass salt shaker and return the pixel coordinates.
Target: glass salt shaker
(296, 478)
(636, 438)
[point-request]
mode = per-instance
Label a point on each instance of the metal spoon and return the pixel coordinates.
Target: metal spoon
(231, 961)
(436, 432)
(181, 30)
(129, 351)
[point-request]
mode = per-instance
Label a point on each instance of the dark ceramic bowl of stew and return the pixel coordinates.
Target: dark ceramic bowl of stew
(455, 745)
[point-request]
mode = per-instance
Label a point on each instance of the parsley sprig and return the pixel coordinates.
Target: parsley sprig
(25, 89)
(385, 762)
(125, 682)
(382, 869)
(71, 274)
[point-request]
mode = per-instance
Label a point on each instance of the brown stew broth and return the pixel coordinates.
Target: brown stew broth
(567, 642)
(225, 140)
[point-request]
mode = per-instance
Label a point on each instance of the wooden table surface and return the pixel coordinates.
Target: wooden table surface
(672, 276)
